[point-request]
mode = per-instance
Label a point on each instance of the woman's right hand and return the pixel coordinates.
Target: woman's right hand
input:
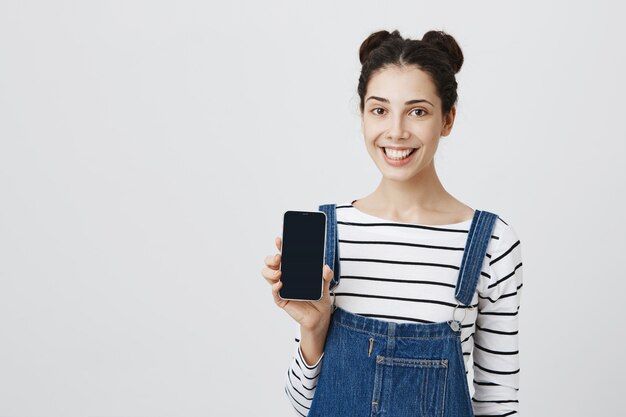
(312, 315)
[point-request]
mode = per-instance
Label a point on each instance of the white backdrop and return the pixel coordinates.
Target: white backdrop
(148, 150)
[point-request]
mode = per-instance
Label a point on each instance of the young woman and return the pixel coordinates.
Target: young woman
(423, 280)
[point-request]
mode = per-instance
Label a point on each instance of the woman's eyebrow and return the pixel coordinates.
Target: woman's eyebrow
(384, 100)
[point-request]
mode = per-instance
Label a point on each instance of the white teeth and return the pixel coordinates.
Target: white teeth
(393, 154)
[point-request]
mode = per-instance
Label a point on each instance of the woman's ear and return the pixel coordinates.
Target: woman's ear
(448, 122)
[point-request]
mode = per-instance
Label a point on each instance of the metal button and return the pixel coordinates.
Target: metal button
(455, 325)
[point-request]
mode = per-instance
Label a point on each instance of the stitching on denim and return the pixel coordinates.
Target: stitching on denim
(337, 270)
(415, 362)
(333, 241)
(442, 404)
(480, 232)
(469, 271)
(443, 336)
(468, 395)
(483, 243)
(473, 268)
(466, 256)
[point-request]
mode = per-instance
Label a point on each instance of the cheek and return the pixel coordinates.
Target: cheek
(429, 134)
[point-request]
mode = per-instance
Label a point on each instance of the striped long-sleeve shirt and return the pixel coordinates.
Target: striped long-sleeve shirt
(418, 287)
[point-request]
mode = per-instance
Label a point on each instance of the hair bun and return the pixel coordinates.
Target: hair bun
(446, 43)
(373, 41)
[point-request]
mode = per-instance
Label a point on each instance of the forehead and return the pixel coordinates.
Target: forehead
(402, 84)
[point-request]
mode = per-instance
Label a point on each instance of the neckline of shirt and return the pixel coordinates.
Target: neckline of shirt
(380, 219)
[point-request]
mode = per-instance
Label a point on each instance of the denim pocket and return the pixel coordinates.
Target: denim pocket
(410, 387)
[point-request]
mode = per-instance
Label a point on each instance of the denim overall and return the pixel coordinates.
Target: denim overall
(376, 367)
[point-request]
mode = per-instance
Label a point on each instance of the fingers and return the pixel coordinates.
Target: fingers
(270, 272)
(279, 243)
(271, 275)
(273, 261)
(328, 275)
(279, 301)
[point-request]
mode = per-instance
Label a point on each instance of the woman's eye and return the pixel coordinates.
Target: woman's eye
(378, 111)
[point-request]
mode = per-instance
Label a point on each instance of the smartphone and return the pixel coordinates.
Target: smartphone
(302, 255)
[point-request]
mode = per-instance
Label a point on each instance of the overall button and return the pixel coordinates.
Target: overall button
(455, 325)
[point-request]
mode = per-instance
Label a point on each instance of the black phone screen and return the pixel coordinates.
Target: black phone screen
(302, 255)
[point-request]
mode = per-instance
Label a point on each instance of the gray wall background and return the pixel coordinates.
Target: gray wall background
(148, 150)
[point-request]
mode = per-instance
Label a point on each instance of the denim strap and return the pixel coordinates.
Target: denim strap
(332, 244)
(474, 255)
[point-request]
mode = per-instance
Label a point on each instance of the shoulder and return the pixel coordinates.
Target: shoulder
(504, 246)
(503, 235)
(345, 209)
(502, 232)
(503, 260)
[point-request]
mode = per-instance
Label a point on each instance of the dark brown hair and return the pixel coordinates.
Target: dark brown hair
(437, 53)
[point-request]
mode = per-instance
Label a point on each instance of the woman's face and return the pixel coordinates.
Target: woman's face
(402, 110)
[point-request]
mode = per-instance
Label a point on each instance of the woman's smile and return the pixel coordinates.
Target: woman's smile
(398, 158)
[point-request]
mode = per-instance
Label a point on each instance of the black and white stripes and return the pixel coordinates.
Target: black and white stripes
(407, 273)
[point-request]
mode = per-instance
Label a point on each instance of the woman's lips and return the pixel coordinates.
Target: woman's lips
(401, 162)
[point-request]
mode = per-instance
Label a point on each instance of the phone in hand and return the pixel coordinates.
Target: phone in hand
(302, 255)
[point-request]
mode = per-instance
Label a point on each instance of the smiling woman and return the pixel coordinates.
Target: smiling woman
(409, 104)
(424, 281)
(393, 126)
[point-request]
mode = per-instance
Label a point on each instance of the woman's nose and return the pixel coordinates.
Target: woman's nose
(396, 129)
